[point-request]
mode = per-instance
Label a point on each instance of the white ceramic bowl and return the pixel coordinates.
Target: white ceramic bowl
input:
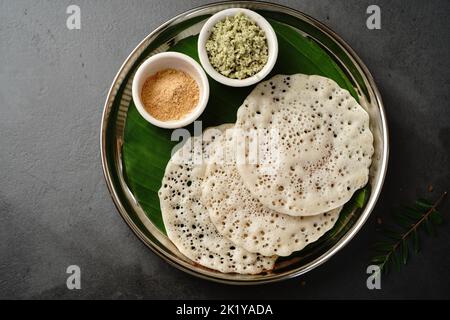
(271, 41)
(177, 61)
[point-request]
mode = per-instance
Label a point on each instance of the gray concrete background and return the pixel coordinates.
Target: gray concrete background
(55, 210)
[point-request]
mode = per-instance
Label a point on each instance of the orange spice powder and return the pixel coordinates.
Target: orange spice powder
(170, 95)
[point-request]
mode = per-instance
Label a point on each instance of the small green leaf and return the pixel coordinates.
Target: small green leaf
(377, 260)
(362, 197)
(405, 251)
(385, 267)
(415, 241)
(436, 218)
(395, 261)
(391, 234)
(402, 220)
(429, 228)
(413, 213)
(383, 246)
(424, 204)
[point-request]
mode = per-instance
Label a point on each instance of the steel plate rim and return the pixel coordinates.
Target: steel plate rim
(188, 268)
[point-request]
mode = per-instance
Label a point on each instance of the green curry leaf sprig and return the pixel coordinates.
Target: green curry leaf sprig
(403, 239)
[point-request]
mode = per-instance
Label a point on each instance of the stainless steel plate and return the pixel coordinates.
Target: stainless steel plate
(115, 113)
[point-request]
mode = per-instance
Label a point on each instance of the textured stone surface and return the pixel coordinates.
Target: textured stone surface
(54, 207)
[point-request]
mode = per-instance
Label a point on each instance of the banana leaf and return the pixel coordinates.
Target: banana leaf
(147, 149)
